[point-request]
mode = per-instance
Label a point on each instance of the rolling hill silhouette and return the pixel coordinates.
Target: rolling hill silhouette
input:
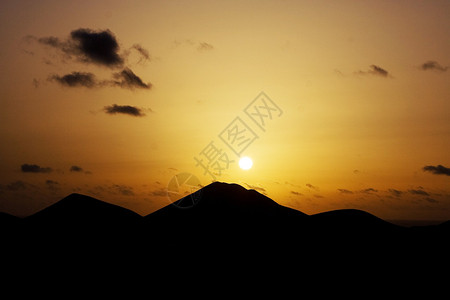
(80, 211)
(79, 222)
(226, 214)
(230, 232)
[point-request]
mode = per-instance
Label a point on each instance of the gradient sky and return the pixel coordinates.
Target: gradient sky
(363, 87)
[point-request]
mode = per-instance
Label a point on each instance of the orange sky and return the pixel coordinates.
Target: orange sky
(363, 87)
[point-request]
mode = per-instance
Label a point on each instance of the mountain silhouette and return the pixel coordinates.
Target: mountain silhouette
(8, 222)
(226, 204)
(222, 215)
(227, 231)
(78, 210)
(80, 221)
(352, 221)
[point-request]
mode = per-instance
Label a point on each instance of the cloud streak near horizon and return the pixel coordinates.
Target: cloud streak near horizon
(125, 79)
(31, 168)
(75, 79)
(433, 65)
(437, 170)
(124, 109)
(374, 70)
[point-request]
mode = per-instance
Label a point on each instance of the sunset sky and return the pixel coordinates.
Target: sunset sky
(113, 98)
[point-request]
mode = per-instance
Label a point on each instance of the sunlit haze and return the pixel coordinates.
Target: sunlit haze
(339, 104)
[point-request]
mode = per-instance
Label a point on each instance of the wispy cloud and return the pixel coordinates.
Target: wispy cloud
(418, 192)
(368, 191)
(395, 193)
(122, 190)
(345, 191)
(126, 79)
(76, 169)
(200, 46)
(374, 70)
(52, 185)
(433, 65)
(296, 193)
(17, 186)
(31, 168)
(256, 188)
(76, 79)
(431, 200)
(161, 192)
(205, 47)
(309, 185)
(144, 55)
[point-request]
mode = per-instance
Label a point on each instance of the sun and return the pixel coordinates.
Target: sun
(245, 163)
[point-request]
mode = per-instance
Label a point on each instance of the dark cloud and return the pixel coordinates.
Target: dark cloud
(99, 47)
(395, 192)
(419, 192)
(76, 79)
(296, 193)
(369, 191)
(124, 109)
(438, 170)
(92, 46)
(127, 79)
(26, 168)
(374, 70)
(76, 169)
(88, 46)
(433, 65)
(344, 191)
(124, 79)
